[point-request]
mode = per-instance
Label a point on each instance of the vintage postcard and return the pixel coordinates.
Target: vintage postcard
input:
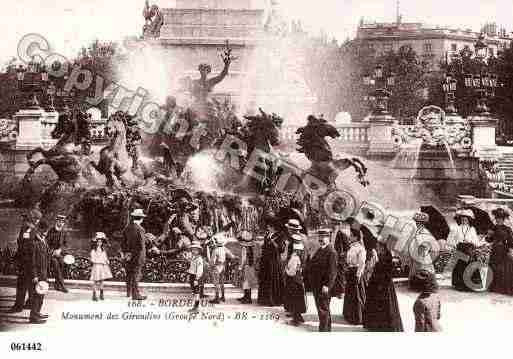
(253, 168)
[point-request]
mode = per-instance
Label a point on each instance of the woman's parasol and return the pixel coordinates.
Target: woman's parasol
(437, 224)
(482, 221)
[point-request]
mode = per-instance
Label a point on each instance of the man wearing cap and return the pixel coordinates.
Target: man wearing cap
(321, 271)
(134, 251)
(24, 280)
(57, 239)
(37, 259)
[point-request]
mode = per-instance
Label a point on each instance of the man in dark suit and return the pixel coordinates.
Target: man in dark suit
(134, 251)
(24, 280)
(321, 271)
(56, 239)
(38, 261)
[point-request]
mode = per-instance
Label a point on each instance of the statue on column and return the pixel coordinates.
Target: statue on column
(202, 87)
(153, 20)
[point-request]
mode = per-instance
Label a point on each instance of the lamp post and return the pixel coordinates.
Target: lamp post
(449, 87)
(482, 83)
(378, 84)
(51, 93)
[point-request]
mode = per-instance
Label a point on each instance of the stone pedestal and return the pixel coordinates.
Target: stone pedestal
(483, 136)
(380, 136)
(30, 127)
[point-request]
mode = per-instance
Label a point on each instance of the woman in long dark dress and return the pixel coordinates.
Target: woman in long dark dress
(381, 312)
(294, 284)
(500, 262)
(270, 276)
(341, 246)
(354, 298)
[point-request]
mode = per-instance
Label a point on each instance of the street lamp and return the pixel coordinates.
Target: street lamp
(449, 87)
(380, 94)
(481, 49)
(51, 94)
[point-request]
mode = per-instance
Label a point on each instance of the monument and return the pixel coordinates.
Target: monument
(196, 32)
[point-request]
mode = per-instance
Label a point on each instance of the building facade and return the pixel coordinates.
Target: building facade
(433, 44)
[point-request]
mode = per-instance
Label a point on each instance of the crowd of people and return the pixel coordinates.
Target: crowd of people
(284, 264)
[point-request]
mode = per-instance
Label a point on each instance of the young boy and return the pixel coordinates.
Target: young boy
(195, 274)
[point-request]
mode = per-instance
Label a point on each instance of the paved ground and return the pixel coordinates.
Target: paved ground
(461, 312)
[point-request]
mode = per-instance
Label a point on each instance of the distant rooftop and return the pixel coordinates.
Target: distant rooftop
(490, 29)
(218, 4)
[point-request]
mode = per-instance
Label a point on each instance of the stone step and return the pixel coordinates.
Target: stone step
(169, 288)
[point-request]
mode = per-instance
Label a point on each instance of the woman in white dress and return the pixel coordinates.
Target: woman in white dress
(100, 270)
(465, 239)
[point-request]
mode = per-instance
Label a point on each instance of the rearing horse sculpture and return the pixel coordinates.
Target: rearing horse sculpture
(114, 158)
(312, 142)
(70, 129)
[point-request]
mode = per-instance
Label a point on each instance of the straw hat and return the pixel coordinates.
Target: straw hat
(100, 235)
(42, 287)
(294, 224)
(464, 213)
(421, 217)
(138, 213)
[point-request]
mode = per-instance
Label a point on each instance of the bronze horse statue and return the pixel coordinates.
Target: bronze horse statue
(312, 142)
(114, 158)
(70, 129)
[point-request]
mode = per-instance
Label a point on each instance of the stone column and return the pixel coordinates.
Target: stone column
(483, 136)
(380, 136)
(30, 136)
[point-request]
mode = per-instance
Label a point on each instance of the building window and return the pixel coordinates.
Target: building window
(491, 51)
(454, 47)
(428, 48)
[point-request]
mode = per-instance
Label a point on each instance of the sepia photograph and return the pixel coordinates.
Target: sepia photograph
(251, 169)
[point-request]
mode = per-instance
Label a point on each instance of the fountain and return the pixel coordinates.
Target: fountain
(436, 153)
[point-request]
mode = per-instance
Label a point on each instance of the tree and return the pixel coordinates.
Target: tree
(410, 82)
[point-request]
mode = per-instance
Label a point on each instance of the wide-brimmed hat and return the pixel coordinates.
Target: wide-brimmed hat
(421, 217)
(464, 213)
(500, 213)
(294, 224)
(138, 213)
(99, 236)
(42, 287)
(196, 245)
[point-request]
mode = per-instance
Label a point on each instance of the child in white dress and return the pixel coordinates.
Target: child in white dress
(100, 270)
